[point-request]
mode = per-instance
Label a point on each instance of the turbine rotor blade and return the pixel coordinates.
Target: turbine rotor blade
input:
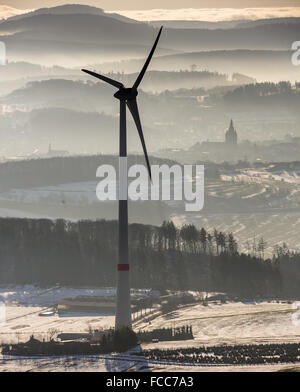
(132, 106)
(144, 69)
(104, 78)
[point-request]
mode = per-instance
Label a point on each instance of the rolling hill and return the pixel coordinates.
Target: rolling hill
(74, 36)
(258, 64)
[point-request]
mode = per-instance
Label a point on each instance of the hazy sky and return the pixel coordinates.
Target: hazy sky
(138, 4)
(211, 14)
(212, 10)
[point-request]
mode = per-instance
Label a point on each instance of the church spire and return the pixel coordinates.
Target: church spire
(231, 135)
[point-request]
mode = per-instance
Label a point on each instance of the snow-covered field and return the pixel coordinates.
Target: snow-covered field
(76, 193)
(230, 323)
(122, 363)
(264, 174)
(23, 305)
(80, 363)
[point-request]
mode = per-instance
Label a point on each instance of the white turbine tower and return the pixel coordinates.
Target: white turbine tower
(127, 97)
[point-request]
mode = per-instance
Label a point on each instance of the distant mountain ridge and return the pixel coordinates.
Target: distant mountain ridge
(258, 64)
(73, 35)
(67, 38)
(69, 9)
(259, 22)
(230, 24)
(197, 24)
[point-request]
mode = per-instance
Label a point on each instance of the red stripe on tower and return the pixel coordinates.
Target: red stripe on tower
(123, 267)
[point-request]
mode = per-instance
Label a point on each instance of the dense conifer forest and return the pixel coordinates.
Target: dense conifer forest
(84, 253)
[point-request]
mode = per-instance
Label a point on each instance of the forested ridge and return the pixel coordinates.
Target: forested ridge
(84, 253)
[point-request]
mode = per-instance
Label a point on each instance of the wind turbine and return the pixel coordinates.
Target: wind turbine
(127, 97)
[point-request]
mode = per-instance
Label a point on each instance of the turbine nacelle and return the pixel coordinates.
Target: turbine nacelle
(126, 94)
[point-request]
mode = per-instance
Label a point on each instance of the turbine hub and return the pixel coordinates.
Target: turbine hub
(126, 94)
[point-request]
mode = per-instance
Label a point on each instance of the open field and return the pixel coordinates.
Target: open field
(24, 304)
(231, 323)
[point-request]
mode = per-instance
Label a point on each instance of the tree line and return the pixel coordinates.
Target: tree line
(84, 253)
